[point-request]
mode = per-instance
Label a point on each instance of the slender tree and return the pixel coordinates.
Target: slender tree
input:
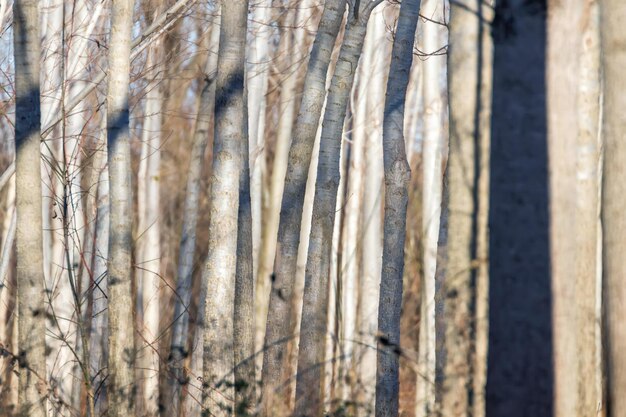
(314, 92)
(121, 368)
(219, 274)
(309, 398)
(461, 266)
(397, 178)
(30, 282)
(613, 38)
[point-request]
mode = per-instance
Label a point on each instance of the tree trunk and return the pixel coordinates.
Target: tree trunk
(562, 54)
(433, 67)
(588, 272)
(314, 92)
(30, 281)
(397, 178)
(220, 271)
(121, 381)
(309, 398)
(178, 348)
(462, 272)
(613, 38)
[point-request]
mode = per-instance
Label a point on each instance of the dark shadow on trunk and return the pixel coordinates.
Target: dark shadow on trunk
(520, 375)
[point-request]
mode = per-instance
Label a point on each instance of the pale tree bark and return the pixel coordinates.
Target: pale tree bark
(220, 272)
(588, 273)
(148, 248)
(397, 178)
(562, 77)
(121, 383)
(257, 72)
(179, 350)
(461, 269)
(613, 38)
(433, 68)
(314, 91)
(30, 281)
(309, 397)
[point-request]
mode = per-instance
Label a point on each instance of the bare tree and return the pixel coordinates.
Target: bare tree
(220, 272)
(309, 398)
(314, 92)
(613, 37)
(30, 282)
(121, 385)
(397, 178)
(462, 271)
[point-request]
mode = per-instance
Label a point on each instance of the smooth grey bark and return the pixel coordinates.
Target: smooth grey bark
(244, 319)
(613, 39)
(29, 235)
(220, 272)
(121, 384)
(397, 179)
(180, 328)
(277, 331)
(309, 397)
(462, 274)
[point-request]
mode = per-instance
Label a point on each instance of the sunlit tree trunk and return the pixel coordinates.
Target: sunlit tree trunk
(462, 270)
(588, 272)
(148, 248)
(121, 383)
(219, 275)
(433, 68)
(309, 398)
(397, 178)
(29, 241)
(314, 92)
(562, 63)
(613, 38)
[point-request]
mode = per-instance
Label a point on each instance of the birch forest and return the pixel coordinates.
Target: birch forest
(312, 208)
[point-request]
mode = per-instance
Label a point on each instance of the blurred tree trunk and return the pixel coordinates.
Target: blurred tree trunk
(122, 352)
(462, 271)
(309, 397)
(278, 318)
(562, 77)
(613, 38)
(397, 178)
(220, 272)
(30, 281)
(147, 246)
(179, 350)
(433, 67)
(587, 226)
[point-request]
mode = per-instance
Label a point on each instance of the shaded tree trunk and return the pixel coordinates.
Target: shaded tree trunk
(613, 38)
(278, 317)
(397, 178)
(29, 239)
(309, 397)
(220, 272)
(121, 383)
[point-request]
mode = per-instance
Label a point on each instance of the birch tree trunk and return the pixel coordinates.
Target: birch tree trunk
(148, 248)
(180, 328)
(220, 272)
(463, 237)
(397, 178)
(314, 92)
(30, 282)
(562, 77)
(613, 38)
(433, 67)
(587, 226)
(309, 398)
(120, 305)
